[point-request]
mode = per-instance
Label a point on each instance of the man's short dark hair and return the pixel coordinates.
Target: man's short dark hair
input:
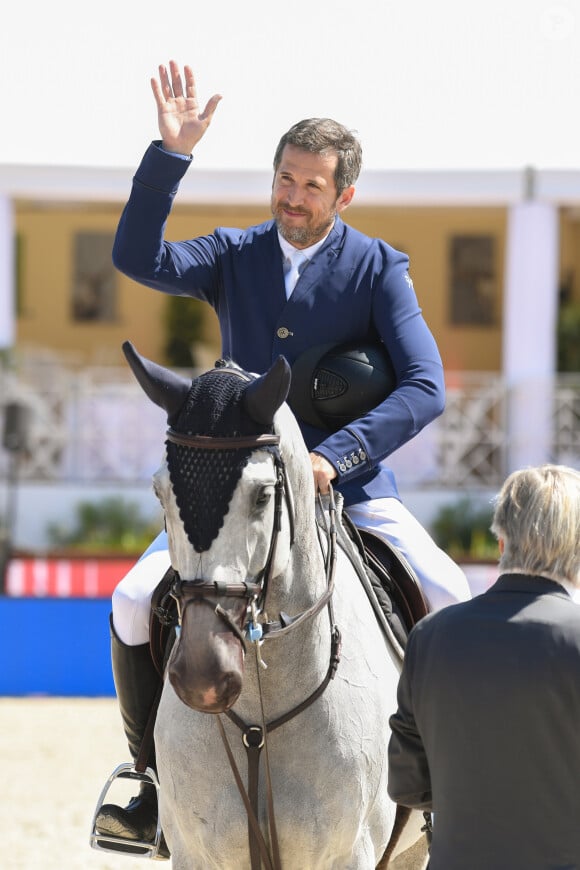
(319, 135)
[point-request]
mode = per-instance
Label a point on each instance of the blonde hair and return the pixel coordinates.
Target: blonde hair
(537, 514)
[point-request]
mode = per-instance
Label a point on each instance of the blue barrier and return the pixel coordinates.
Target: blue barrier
(55, 646)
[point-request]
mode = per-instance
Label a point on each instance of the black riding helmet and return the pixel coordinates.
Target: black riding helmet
(332, 385)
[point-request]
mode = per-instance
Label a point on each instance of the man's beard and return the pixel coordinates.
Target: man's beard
(306, 235)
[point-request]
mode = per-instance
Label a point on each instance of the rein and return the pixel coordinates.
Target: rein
(255, 737)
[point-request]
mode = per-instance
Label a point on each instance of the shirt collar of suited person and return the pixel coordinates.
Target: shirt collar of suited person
(289, 250)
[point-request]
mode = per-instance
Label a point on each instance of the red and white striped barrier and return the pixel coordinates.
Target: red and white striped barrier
(97, 577)
(65, 578)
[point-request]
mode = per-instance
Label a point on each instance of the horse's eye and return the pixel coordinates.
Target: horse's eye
(264, 496)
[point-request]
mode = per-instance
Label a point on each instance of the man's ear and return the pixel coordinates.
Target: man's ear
(501, 545)
(345, 198)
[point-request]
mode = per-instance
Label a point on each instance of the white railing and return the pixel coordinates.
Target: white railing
(471, 433)
(96, 424)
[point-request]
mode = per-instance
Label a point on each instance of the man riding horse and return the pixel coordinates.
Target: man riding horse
(346, 288)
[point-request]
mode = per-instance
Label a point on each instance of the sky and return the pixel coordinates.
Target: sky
(427, 85)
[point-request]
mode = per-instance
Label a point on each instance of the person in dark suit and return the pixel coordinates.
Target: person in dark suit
(346, 286)
(486, 734)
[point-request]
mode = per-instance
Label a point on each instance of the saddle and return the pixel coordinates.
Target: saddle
(162, 621)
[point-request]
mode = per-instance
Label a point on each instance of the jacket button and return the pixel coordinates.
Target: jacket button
(283, 332)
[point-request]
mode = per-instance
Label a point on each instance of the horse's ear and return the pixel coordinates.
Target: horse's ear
(163, 386)
(264, 396)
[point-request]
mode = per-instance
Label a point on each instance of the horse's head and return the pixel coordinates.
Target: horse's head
(225, 495)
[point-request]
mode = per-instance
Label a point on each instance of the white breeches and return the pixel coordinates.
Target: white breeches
(442, 581)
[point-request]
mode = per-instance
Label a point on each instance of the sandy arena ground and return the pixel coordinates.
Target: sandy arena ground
(55, 756)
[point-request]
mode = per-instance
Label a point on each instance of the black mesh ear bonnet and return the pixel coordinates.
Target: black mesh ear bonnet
(204, 480)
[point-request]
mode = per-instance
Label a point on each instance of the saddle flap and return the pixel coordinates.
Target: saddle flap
(405, 587)
(162, 621)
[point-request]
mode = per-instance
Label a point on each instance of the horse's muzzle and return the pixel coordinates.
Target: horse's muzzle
(206, 667)
(206, 697)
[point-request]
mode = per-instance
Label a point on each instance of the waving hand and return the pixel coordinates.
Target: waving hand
(181, 123)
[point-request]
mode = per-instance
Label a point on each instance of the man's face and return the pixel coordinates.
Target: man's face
(304, 200)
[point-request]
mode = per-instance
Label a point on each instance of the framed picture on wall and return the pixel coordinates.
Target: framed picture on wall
(93, 294)
(473, 280)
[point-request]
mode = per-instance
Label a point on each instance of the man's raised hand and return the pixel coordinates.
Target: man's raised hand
(181, 123)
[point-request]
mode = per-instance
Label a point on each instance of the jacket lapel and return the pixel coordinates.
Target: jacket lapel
(323, 265)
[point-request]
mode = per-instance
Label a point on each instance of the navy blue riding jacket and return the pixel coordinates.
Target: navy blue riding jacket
(354, 287)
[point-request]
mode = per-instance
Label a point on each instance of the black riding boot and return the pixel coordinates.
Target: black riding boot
(137, 683)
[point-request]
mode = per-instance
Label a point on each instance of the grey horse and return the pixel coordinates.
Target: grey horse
(272, 729)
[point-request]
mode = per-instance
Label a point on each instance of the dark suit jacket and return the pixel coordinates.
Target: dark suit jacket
(354, 287)
(487, 732)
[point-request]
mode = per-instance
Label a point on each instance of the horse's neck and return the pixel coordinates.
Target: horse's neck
(298, 660)
(296, 664)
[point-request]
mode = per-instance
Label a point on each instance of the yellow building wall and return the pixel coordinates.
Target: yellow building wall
(46, 270)
(46, 266)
